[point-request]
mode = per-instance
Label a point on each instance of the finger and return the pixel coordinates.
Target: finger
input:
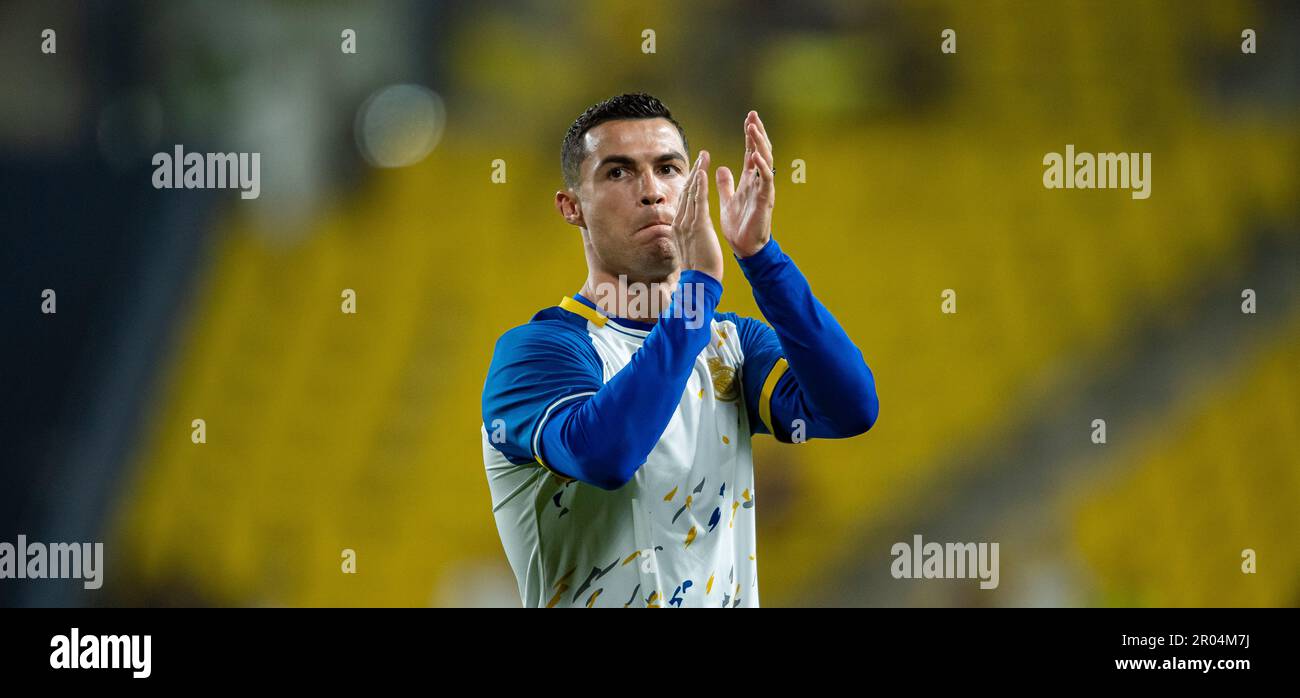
(702, 196)
(750, 121)
(753, 169)
(726, 186)
(692, 193)
(766, 146)
(749, 141)
(699, 194)
(684, 199)
(747, 176)
(766, 169)
(762, 130)
(763, 147)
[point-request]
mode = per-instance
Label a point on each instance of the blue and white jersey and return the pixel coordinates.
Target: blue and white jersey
(574, 392)
(681, 533)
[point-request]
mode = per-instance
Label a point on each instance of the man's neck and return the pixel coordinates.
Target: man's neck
(621, 297)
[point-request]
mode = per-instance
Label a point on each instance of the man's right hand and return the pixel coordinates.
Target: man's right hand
(697, 243)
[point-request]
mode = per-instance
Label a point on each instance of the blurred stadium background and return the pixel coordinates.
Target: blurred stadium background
(328, 431)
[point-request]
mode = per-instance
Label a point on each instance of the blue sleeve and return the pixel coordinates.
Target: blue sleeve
(534, 367)
(603, 438)
(804, 367)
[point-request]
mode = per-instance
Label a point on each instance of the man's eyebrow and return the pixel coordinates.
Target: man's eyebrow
(626, 160)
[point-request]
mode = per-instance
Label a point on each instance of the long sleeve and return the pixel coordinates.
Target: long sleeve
(804, 367)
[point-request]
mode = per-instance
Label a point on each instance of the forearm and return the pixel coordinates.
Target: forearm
(604, 438)
(833, 378)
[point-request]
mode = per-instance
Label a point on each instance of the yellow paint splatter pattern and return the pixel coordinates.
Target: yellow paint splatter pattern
(560, 587)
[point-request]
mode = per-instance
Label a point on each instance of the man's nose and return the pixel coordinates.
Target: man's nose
(652, 190)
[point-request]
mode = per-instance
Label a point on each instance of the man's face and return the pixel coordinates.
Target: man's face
(633, 174)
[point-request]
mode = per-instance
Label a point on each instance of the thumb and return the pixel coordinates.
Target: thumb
(726, 186)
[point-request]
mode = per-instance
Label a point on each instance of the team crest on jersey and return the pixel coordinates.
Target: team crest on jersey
(724, 380)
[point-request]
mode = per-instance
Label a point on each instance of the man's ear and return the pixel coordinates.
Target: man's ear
(569, 207)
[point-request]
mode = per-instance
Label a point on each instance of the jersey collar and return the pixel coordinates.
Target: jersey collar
(581, 305)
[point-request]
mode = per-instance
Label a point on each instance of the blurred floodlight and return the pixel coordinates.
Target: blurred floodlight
(399, 125)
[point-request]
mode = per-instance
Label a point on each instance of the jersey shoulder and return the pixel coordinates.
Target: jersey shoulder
(552, 328)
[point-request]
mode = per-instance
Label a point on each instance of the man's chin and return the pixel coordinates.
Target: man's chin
(654, 252)
(652, 271)
(663, 261)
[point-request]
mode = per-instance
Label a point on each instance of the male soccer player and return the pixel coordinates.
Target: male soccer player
(616, 425)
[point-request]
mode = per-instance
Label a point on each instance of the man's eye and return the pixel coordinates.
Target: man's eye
(670, 168)
(615, 172)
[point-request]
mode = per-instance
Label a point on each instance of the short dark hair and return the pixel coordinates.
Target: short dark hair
(637, 105)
